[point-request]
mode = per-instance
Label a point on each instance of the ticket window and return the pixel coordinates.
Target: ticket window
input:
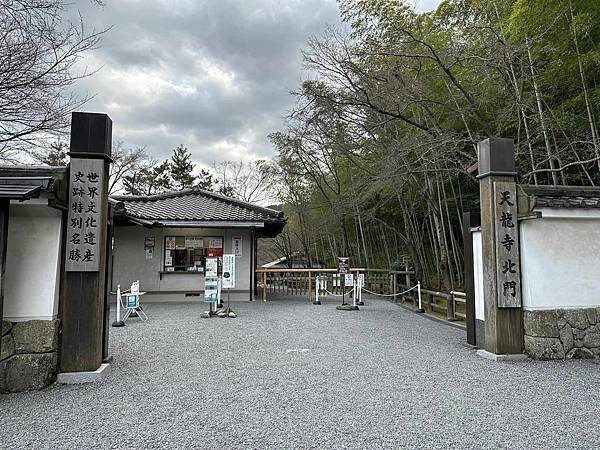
(188, 253)
(184, 254)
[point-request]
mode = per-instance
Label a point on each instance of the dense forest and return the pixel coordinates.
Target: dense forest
(373, 161)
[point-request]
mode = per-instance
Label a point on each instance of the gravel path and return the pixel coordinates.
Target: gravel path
(287, 374)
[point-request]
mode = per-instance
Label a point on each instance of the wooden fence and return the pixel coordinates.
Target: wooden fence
(283, 282)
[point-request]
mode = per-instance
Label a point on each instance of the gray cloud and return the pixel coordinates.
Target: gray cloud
(214, 75)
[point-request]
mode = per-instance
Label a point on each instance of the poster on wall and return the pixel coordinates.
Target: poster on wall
(215, 247)
(168, 258)
(149, 243)
(170, 243)
(228, 271)
(236, 245)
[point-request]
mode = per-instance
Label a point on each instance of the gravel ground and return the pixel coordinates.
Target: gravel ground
(287, 374)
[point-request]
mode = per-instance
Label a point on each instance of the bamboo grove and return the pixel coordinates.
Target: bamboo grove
(373, 161)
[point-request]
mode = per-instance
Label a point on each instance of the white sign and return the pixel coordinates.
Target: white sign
(229, 271)
(212, 265)
(361, 280)
(348, 280)
(215, 243)
(236, 245)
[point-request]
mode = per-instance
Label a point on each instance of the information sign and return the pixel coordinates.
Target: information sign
(361, 280)
(212, 267)
(236, 245)
(228, 271)
(348, 280)
(343, 264)
(211, 289)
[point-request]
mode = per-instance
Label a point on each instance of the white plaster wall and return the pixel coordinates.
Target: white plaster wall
(560, 260)
(130, 263)
(32, 262)
(478, 275)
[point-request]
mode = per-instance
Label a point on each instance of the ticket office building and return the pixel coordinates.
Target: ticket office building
(164, 240)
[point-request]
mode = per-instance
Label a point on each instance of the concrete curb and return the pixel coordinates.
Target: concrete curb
(84, 377)
(501, 358)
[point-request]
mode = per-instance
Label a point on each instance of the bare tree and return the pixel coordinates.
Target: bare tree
(39, 48)
(250, 181)
(126, 162)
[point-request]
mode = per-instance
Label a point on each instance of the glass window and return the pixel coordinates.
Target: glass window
(188, 253)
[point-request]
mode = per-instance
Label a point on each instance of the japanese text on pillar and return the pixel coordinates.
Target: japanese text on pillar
(507, 246)
(84, 225)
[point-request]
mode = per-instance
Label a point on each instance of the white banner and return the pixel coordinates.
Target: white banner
(228, 271)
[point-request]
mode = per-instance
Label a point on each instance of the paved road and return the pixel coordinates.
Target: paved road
(292, 375)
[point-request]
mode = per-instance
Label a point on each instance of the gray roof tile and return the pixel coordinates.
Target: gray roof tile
(564, 196)
(195, 205)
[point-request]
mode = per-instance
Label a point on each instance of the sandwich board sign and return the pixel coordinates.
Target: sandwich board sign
(228, 271)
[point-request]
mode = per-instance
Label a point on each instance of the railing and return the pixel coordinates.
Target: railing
(381, 281)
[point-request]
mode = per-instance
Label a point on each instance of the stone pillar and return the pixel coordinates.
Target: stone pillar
(86, 229)
(500, 245)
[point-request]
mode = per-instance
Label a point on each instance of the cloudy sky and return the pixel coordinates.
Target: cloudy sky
(214, 75)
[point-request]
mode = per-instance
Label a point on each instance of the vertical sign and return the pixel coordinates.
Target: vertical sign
(211, 280)
(236, 245)
(507, 244)
(229, 271)
(84, 226)
(343, 264)
(348, 280)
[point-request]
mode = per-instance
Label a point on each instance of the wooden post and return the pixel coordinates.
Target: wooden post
(309, 279)
(500, 247)
(450, 308)
(470, 220)
(85, 259)
(4, 214)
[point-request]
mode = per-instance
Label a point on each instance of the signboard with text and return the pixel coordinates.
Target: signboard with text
(507, 245)
(343, 264)
(236, 245)
(84, 222)
(228, 271)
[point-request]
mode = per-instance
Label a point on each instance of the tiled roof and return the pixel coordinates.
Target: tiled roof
(564, 196)
(195, 205)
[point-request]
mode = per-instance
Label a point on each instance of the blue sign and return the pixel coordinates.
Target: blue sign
(133, 301)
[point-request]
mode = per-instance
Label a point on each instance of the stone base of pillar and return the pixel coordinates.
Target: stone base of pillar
(500, 358)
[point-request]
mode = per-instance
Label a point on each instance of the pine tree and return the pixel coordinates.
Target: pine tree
(149, 181)
(205, 180)
(56, 155)
(181, 168)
